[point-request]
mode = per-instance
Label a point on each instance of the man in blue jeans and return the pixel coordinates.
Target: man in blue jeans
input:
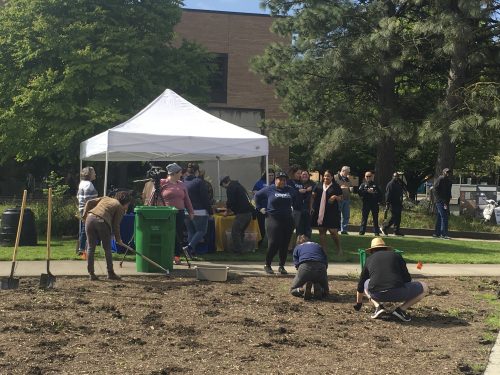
(442, 195)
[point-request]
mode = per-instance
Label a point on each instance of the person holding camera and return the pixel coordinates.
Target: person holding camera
(174, 194)
(371, 196)
(239, 204)
(102, 217)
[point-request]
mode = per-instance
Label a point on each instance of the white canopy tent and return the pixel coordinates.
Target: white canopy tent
(172, 129)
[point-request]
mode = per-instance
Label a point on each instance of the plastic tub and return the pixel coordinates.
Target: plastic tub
(211, 273)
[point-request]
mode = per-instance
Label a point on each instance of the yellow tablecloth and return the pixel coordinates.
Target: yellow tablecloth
(223, 225)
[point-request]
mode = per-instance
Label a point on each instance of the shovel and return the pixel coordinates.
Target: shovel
(167, 272)
(10, 282)
(47, 280)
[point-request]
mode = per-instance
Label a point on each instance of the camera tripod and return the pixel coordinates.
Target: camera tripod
(154, 200)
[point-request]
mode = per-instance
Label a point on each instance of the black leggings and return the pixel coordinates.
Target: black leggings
(279, 231)
(179, 232)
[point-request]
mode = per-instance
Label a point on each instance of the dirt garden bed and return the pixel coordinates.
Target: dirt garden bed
(249, 325)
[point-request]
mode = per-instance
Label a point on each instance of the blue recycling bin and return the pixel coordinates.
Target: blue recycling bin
(126, 232)
(208, 245)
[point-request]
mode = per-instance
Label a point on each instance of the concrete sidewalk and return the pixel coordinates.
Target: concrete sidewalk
(79, 268)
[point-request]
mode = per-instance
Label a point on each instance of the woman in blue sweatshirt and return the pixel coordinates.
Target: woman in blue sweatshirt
(276, 202)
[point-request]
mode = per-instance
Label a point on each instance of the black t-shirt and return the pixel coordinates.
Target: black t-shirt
(386, 270)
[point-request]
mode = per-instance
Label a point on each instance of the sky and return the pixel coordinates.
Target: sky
(244, 6)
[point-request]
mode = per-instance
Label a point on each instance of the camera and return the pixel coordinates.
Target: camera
(155, 173)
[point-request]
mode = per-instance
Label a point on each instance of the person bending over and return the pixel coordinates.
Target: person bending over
(103, 216)
(311, 263)
(385, 278)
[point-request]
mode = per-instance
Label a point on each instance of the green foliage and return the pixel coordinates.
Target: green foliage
(64, 217)
(57, 184)
(69, 70)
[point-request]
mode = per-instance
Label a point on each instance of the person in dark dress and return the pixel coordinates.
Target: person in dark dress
(325, 210)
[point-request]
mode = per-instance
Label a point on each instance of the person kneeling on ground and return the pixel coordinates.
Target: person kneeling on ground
(311, 263)
(385, 278)
(103, 215)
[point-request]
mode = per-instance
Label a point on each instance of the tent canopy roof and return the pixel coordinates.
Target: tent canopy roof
(171, 128)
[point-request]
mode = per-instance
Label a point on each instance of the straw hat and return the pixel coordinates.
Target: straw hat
(377, 243)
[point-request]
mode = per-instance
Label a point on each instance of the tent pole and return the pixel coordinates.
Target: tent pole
(105, 174)
(218, 178)
(267, 169)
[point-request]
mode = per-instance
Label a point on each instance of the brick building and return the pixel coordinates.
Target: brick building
(238, 95)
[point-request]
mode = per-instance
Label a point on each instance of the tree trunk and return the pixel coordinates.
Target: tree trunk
(384, 166)
(454, 100)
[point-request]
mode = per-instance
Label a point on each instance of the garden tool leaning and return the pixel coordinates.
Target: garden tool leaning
(47, 280)
(10, 282)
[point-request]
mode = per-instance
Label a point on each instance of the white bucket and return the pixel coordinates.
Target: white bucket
(211, 273)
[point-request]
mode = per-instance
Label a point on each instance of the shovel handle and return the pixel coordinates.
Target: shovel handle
(49, 225)
(145, 258)
(19, 226)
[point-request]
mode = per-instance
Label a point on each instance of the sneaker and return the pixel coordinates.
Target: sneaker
(383, 231)
(401, 315)
(378, 311)
(376, 234)
(307, 291)
(361, 233)
(113, 276)
(399, 234)
(93, 277)
(282, 270)
(177, 260)
(445, 237)
(268, 270)
(436, 235)
(344, 232)
(297, 292)
(318, 291)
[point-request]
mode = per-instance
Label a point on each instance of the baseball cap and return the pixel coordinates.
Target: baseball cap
(281, 175)
(173, 168)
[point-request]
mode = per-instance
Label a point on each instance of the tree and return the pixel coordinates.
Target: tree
(71, 69)
(468, 113)
(353, 74)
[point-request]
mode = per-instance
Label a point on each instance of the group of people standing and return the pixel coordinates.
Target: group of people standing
(293, 202)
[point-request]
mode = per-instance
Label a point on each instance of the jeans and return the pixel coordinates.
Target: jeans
(442, 220)
(345, 211)
(82, 237)
(197, 228)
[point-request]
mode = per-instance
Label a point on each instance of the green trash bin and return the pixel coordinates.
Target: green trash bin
(362, 256)
(154, 236)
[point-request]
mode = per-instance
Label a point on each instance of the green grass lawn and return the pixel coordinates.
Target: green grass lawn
(426, 250)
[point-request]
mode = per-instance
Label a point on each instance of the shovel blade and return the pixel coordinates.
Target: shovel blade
(9, 283)
(47, 281)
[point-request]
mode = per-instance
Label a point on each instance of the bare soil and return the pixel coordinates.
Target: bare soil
(249, 325)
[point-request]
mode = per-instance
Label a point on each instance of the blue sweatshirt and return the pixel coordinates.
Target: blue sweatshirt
(198, 193)
(277, 202)
(308, 252)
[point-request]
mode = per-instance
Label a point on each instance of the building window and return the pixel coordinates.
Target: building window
(218, 82)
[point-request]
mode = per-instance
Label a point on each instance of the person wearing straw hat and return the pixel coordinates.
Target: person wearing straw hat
(385, 278)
